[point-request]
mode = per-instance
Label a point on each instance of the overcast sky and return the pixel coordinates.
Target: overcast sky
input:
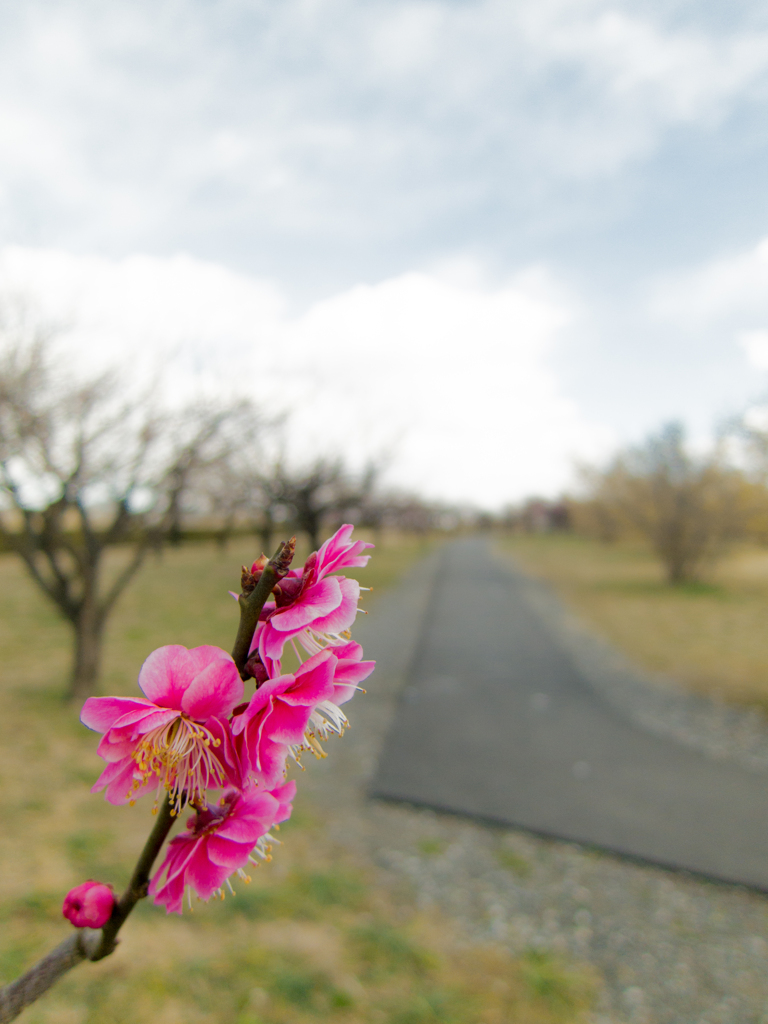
(484, 237)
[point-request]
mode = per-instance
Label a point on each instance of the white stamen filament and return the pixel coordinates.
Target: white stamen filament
(314, 642)
(327, 718)
(263, 848)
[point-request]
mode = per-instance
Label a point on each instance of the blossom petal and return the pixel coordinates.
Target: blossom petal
(350, 671)
(288, 724)
(204, 876)
(266, 756)
(227, 753)
(316, 601)
(272, 642)
(114, 771)
(101, 713)
(255, 815)
(156, 718)
(171, 892)
(122, 740)
(164, 676)
(214, 691)
(340, 552)
(119, 778)
(225, 853)
(284, 795)
(262, 697)
(344, 614)
(313, 681)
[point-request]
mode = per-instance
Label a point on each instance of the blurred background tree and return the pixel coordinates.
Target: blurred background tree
(687, 507)
(84, 467)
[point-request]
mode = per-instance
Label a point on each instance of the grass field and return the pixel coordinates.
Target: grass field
(710, 636)
(311, 938)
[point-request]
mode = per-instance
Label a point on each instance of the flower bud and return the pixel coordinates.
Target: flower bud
(89, 905)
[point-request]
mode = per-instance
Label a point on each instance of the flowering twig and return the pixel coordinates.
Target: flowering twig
(87, 943)
(190, 732)
(252, 602)
(92, 944)
(137, 887)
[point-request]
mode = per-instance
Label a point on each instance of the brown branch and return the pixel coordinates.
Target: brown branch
(46, 972)
(125, 577)
(87, 943)
(251, 604)
(91, 944)
(137, 887)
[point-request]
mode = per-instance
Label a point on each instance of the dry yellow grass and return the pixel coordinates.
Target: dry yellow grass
(311, 938)
(711, 636)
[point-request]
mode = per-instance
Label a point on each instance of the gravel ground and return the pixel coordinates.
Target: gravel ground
(670, 947)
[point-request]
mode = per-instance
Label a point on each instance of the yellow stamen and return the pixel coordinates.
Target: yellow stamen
(317, 750)
(179, 755)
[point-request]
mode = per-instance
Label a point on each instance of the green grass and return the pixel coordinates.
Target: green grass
(514, 862)
(385, 950)
(313, 937)
(431, 847)
(548, 979)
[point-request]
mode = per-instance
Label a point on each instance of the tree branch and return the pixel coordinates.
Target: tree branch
(252, 604)
(46, 972)
(87, 943)
(137, 887)
(90, 944)
(127, 574)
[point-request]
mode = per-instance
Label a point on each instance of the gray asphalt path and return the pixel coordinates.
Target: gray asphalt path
(496, 722)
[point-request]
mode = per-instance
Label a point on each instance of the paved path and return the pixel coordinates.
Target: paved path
(497, 722)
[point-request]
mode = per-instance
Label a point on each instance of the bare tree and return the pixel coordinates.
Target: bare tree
(312, 494)
(270, 505)
(226, 496)
(83, 468)
(216, 476)
(256, 487)
(688, 508)
(366, 500)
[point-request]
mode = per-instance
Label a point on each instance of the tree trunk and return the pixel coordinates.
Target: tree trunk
(89, 637)
(311, 526)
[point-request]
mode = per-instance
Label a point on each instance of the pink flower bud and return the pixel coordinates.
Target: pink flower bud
(89, 905)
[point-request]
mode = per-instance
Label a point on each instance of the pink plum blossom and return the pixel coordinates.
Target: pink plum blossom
(219, 841)
(168, 738)
(311, 605)
(274, 724)
(89, 905)
(340, 552)
(349, 671)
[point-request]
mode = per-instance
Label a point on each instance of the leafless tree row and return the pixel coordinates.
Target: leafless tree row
(91, 463)
(311, 499)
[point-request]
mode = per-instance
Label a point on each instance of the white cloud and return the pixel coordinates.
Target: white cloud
(451, 376)
(755, 345)
(725, 298)
(733, 286)
(163, 120)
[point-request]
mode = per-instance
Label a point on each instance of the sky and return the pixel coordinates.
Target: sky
(480, 240)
